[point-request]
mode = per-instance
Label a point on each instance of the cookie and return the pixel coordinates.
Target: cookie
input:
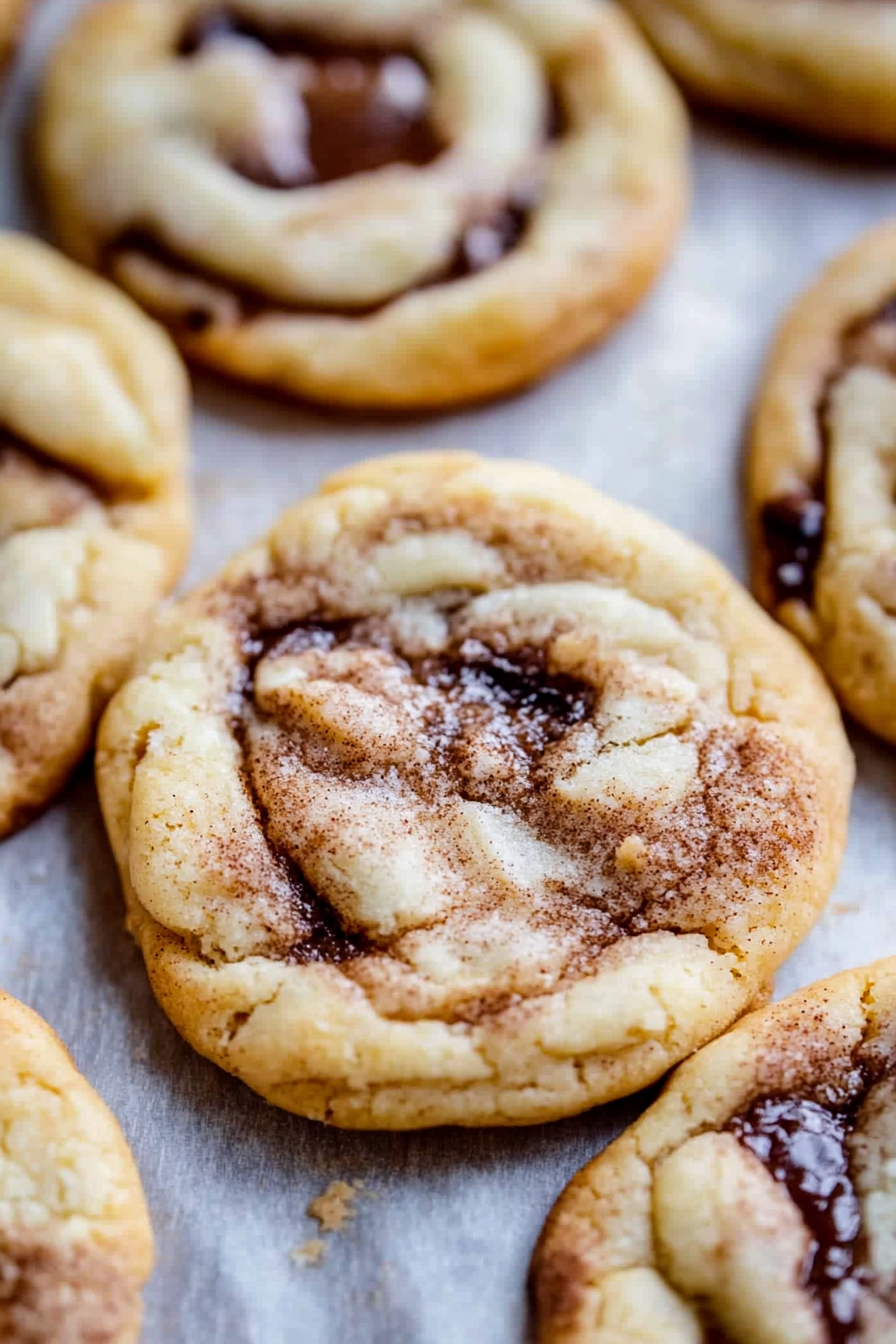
(467, 796)
(75, 1238)
(821, 478)
(826, 66)
(94, 517)
(394, 206)
(754, 1201)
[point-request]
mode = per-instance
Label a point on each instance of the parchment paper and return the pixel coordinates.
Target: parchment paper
(439, 1250)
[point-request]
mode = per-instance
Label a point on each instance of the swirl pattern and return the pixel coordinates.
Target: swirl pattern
(420, 204)
(467, 796)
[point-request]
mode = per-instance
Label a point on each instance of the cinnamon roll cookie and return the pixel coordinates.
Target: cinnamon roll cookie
(826, 66)
(822, 477)
(754, 1202)
(406, 204)
(93, 507)
(468, 796)
(75, 1237)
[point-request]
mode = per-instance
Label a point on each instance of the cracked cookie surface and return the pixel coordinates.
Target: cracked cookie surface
(754, 1202)
(825, 66)
(75, 1238)
(402, 205)
(467, 796)
(94, 516)
(822, 478)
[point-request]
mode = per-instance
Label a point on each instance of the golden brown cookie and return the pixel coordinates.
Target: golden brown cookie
(400, 205)
(75, 1237)
(94, 515)
(468, 796)
(822, 476)
(755, 1202)
(821, 65)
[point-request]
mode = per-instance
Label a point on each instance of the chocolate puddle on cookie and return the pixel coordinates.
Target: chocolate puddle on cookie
(364, 108)
(793, 528)
(367, 106)
(804, 1146)
(511, 696)
(470, 723)
(524, 703)
(524, 706)
(793, 525)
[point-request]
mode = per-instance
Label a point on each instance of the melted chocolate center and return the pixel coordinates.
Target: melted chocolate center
(793, 525)
(794, 536)
(803, 1145)
(526, 707)
(367, 108)
(480, 721)
(523, 707)
(485, 242)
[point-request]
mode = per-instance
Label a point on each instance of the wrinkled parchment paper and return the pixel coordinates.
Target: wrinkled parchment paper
(445, 1226)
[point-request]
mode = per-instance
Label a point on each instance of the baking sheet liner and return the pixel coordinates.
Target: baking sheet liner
(445, 1225)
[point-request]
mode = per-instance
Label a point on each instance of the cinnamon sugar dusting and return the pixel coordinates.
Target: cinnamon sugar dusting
(466, 816)
(471, 699)
(51, 1292)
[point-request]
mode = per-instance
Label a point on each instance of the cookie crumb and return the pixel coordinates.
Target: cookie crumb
(310, 1252)
(631, 855)
(845, 908)
(336, 1206)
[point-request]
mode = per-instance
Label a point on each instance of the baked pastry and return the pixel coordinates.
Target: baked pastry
(467, 796)
(826, 66)
(75, 1237)
(821, 478)
(370, 205)
(94, 519)
(753, 1203)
